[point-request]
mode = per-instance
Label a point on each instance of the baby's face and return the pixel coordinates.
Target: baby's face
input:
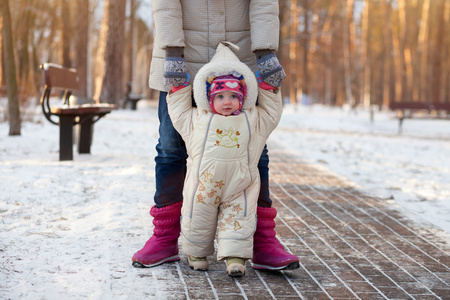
(226, 103)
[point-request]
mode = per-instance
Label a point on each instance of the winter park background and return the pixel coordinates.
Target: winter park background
(70, 228)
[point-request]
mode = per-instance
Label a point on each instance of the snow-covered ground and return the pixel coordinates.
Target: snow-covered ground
(70, 228)
(411, 168)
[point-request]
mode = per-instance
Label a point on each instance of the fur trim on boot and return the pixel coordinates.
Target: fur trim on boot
(198, 263)
(235, 267)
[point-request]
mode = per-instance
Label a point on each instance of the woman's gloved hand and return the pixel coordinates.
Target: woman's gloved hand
(174, 66)
(269, 69)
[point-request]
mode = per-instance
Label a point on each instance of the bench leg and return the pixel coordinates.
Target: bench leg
(85, 135)
(400, 125)
(66, 137)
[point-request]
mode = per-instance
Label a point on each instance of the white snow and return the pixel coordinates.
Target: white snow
(70, 228)
(412, 167)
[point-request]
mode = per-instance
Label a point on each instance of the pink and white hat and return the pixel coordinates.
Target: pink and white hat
(225, 62)
(227, 83)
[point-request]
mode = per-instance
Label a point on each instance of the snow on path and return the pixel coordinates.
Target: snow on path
(411, 170)
(70, 228)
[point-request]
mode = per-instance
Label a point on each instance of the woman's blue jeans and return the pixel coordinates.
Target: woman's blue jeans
(170, 160)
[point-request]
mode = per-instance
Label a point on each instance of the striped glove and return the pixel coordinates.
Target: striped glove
(269, 68)
(174, 66)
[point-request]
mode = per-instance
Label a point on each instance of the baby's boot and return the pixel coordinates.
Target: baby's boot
(198, 263)
(235, 267)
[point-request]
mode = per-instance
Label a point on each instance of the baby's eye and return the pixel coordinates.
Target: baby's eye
(233, 96)
(220, 96)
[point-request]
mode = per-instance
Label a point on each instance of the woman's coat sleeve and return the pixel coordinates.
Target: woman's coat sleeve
(264, 24)
(168, 19)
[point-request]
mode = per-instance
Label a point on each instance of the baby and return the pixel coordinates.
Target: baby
(224, 135)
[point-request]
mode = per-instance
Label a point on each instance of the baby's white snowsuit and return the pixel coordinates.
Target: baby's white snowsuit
(222, 183)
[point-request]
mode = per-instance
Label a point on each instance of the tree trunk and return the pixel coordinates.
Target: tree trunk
(315, 79)
(293, 52)
(109, 62)
(346, 51)
(52, 55)
(447, 55)
(327, 45)
(365, 61)
(283, 15)
(22, 34)
(2, 66)
(388, 75)
(305, 83)
(436, 80)
(130, 45)
(403, 50)
(81, 44)
(422, 47)
(10, 70)
(399, 62)
(66, 29)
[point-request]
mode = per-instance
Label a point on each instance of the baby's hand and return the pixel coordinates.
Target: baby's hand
(266, 86)
(185, 84)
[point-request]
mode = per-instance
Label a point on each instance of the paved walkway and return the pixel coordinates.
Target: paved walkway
(350, 245)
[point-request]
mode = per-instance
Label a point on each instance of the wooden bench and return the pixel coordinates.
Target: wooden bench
(72, 111)
(406, 109)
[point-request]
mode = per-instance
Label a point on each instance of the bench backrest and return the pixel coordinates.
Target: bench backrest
(58, 77)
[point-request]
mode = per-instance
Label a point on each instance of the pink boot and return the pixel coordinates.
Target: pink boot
(163, 245)
(268, 253)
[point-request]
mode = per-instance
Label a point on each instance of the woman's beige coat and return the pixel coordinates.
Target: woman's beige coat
(222, 183)
(200, 25)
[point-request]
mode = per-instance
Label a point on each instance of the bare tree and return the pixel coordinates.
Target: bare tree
(109, 63)
(2, 73)
(293, 52)
(332, 51)
(348, 28)
(305, 39)
(365, 48)
(420, 90)
(65, 33)
(23, 22)
(388, 67)
(10, 70)
(407, 30)
(81, 36)
(436, 81)
(42, 45)
(447, 55)
(130, 45)
(326, 42)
